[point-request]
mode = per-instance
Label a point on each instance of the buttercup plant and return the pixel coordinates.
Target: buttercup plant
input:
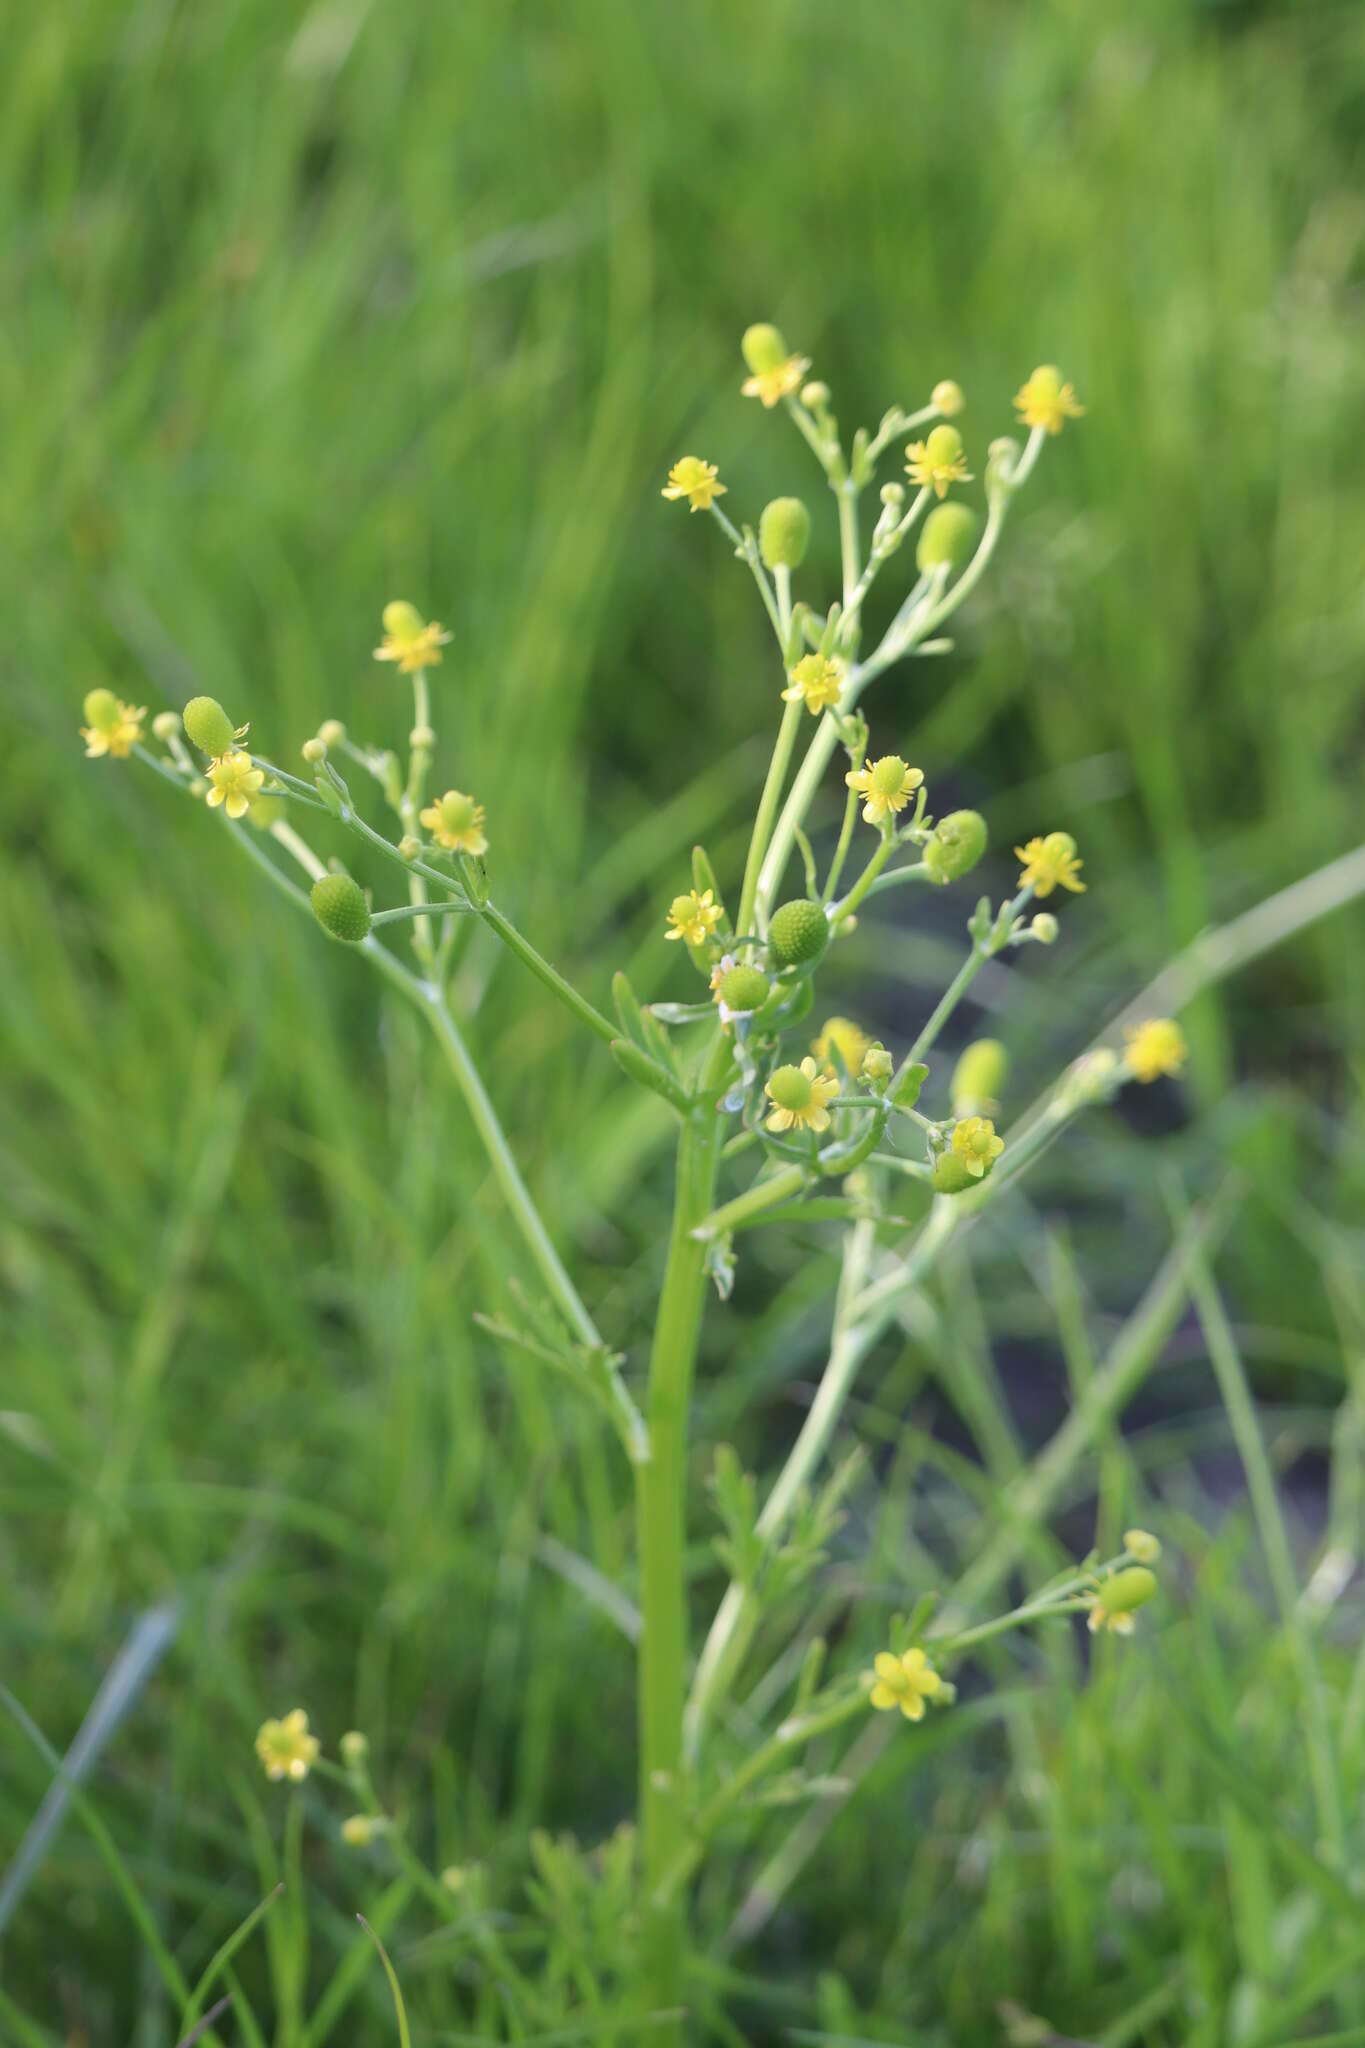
(774, 1119)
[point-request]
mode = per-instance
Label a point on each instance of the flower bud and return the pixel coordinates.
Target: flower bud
(947, 537)
(340, 908)
(358, 1830)
(1002, 459)
(798, 933)
(742, 988)
(784, 533)
(892, 496)
(331, 732)
(947, 398)
(957, 844)
(951, 1176)
(878, 1065)
(762, 348)
(314, 749)
(815, 395)
(409, 847)
(978, 1078)
(101, 709)
(355, 1748)
(422, 739)
(1142, 1545)
(165, 725)
(1045, 928)
(1131, 1588)
(209, 726)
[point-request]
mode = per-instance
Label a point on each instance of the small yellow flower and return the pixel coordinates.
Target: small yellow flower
(234, 784)
(938, 461)
(456, 821)
(975, 1145)
(819, 680)
(1045, 401)
(777, 383)
(906, 1682)
(114, 727)
(1154, 1048)
(843, 1036)
(1049, 863)
(694, 917)
(695, 480)
(409, 639)
(286, 1749)
(887, 784)
(800, 1095)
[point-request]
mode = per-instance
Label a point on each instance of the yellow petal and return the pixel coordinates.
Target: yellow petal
(887, 1667)
(882, 1696)
(912, 1706)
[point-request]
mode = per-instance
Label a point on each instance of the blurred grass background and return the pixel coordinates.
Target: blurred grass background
(312, 305)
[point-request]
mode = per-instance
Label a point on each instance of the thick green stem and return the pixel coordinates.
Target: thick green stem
(767, 810)
(660, 1498)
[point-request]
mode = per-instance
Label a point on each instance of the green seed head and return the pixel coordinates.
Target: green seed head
(943, 447)
(948, 537)
(340, 908)
(402, 620)
(958, 842)
(798, 933)
(1133, 1587)
(209, 726)
(742, 988)
(789, 1088)
(101, 709)
(979, 1078)
(762, 347)
(784, 533)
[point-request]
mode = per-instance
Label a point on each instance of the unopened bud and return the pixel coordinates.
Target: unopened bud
(947, 398)
(314, 749)
(784, 533)
(165, 725)
(1045, 928)
(331, 732)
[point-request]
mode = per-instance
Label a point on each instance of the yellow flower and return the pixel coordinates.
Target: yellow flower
(975, 1145)
(694, 917)
(843, 1036)
(695, 480)
(409, 639)
(777, 383)
(235, 783)
(819, 679)
(1050, 862)
(800, 1095)
(456, 821)
(906, 1682)
(887, 784)
(1154, 1048)
(938, 461)
(114, 727)
(1045, 401)
(286, 1749)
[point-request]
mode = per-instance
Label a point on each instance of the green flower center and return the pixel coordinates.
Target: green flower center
(457, 815)
(887, 776)
(790, 1088)
(943, 447)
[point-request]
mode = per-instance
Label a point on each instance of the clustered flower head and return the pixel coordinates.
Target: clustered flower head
(409, 639)
(938, 461)
(800, 1096)
(455, 821)
(234, 783)
(286, 1749)
(1050, 863)
(694, 917)
(975, 1145)
(906, 1682)
(1155, 1048)
(695, 480)
(819, 680)
(1046, 401)
(888, 786)
(775, 373)
(113, 727)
